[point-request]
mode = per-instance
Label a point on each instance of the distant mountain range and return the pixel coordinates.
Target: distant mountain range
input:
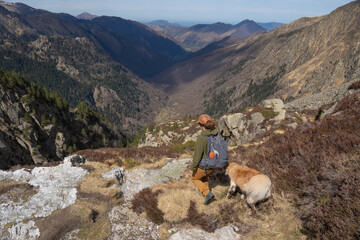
(198, 36)
(164, 23)
(294, 61)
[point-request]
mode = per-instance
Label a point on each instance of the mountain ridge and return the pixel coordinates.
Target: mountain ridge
(198, 36)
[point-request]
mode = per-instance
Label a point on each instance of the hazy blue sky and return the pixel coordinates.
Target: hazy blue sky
(196, 11)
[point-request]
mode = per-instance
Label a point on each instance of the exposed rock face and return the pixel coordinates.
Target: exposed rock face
(138, 179)
(315, 101)
(126, 224)
(60, 140)
(225, 233)
(277, 105)
(56, 191)
(167, 134)
(240, 128)
(37, 126)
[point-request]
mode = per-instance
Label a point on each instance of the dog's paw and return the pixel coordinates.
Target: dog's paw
(242, 196)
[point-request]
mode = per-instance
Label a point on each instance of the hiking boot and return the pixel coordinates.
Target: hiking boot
(209, 198)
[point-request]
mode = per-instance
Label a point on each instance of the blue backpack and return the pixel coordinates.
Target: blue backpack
(217, 157)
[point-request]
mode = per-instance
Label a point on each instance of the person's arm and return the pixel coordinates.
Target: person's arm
(198, 153)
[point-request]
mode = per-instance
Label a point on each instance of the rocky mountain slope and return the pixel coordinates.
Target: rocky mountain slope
(198, 36)
(250, 126)
(46, 48)
(146, 193)
(135, 46)
(308, 56)
(37, 126)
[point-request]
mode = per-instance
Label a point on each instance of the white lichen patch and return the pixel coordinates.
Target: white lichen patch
(56, 191)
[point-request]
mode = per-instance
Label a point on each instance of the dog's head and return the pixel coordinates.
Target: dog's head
(230, 166)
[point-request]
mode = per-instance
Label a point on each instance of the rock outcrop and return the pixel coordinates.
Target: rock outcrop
(37, 126)
(56, 190)
(168, 134)
(224, 233)
(241, 128)
(138, 179)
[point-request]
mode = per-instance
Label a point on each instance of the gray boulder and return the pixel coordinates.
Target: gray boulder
(240, 128)
(139, 179)
(74, 160)
(225, 233)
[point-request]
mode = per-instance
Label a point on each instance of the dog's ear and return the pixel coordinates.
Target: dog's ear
(227, 170)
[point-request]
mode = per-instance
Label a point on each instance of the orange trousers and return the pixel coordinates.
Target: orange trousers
(201, 179)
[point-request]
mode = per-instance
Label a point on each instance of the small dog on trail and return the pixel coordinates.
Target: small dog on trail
(254, 184)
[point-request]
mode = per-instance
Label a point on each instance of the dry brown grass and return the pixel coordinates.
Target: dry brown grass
(89, 217)
(61, 222)
(154, 165)
(275, 219)
(280, 223)
(17, 191)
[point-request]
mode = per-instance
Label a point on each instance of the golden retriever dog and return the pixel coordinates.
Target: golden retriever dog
(252, 183)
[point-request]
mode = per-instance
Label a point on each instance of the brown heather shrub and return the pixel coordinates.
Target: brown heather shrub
(146, 201)
(206, 222)
(319, 164)
(59, 223)
(229, 214)
(17, 191)
(139, 155)
(355, 85)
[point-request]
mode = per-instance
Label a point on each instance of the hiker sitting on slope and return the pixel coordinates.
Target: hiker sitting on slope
(200, 176)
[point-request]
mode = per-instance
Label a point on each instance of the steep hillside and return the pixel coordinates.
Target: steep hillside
(297, 60)
(76, 68)
(37, 126)
(135, 46)
(198, 36)
(146, 193)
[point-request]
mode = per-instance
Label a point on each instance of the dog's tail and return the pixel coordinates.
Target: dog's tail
(258, 188)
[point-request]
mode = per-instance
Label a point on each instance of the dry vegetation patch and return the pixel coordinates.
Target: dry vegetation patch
(181, 204)
(89, 218)
(16, 191)
(319, 165)
(130, 157)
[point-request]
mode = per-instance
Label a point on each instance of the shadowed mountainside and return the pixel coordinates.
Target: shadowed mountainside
(135, 46)
(57, 52)
(37, 125)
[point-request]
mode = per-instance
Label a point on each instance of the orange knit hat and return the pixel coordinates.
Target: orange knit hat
(203, 119)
